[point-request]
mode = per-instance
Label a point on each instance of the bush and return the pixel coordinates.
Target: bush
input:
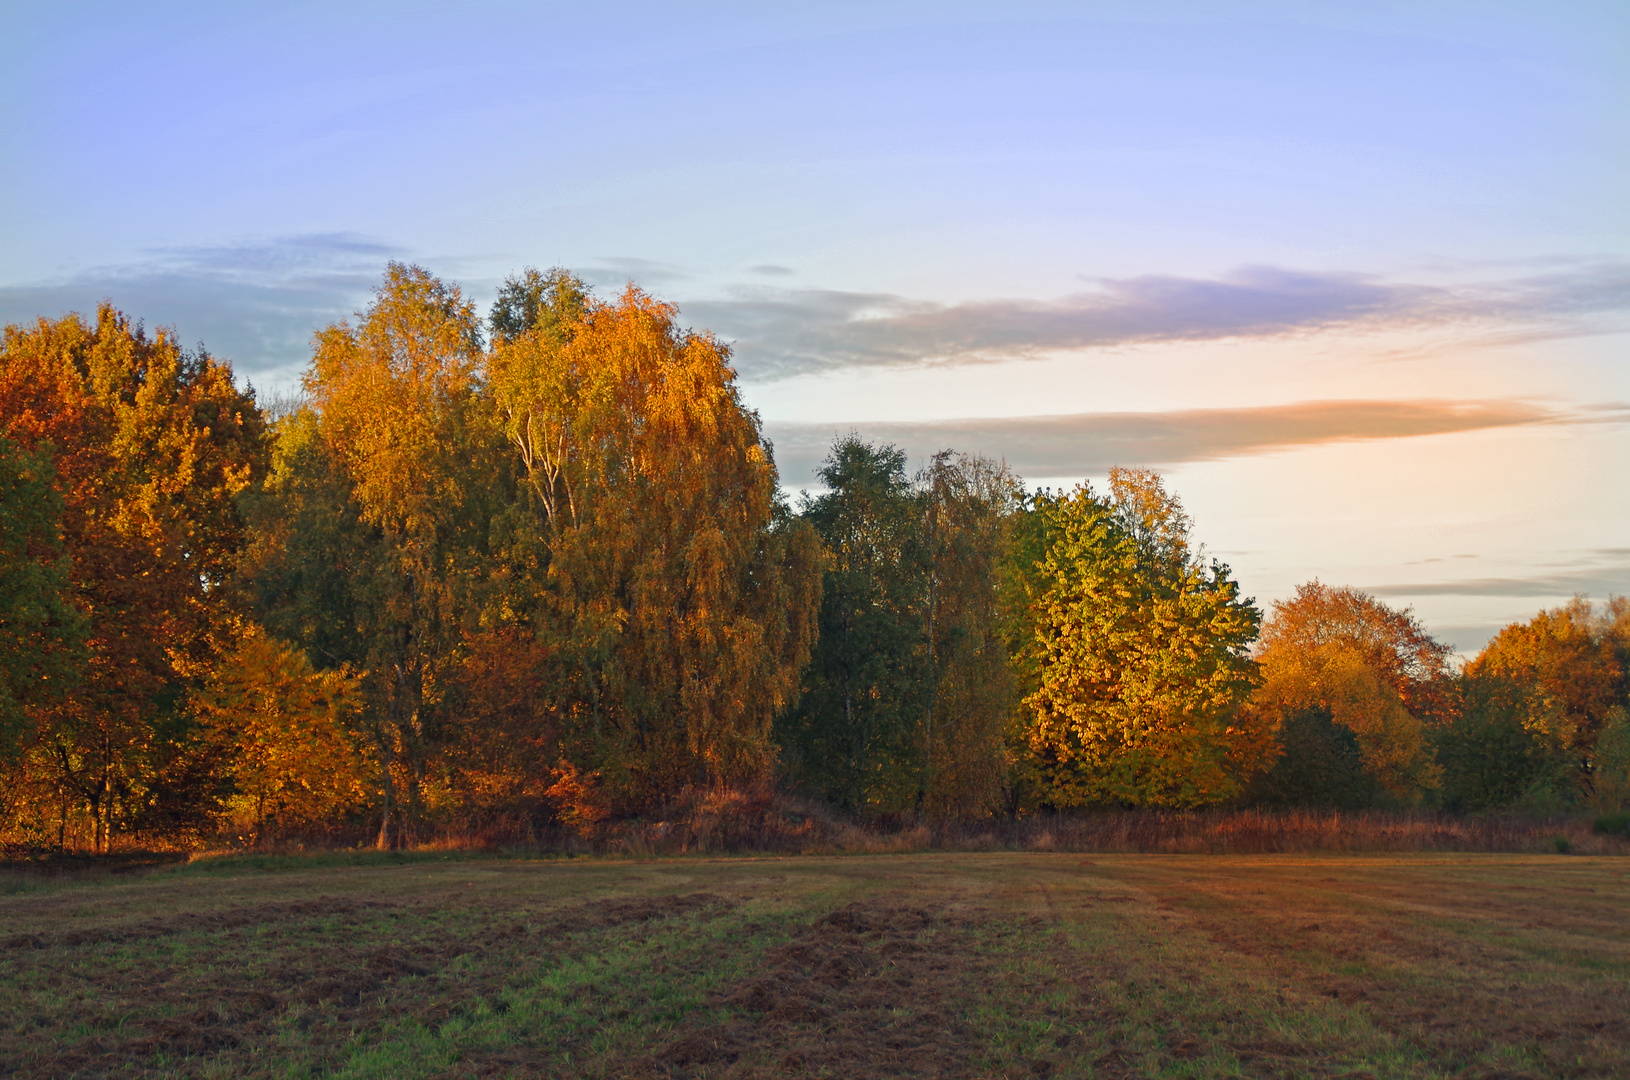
(1612, 825)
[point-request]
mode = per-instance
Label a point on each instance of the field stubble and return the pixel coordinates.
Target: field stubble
(949, 965)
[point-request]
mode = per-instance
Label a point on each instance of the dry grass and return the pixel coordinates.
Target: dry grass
(953, 965)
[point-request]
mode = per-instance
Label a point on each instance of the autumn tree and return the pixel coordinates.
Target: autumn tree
(41, 632)
(1572, 658)
(672, 590)
(152, 445)
(284, 735)
(1363, 666)
(400, 433)
(1139, 647)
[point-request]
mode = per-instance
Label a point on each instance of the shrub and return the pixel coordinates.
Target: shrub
(1612, 825)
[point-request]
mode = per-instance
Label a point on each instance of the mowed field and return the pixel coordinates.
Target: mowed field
(953, 965)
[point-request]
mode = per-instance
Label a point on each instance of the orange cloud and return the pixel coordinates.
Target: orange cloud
(1088, 443)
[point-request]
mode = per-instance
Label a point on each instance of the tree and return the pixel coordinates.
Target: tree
(1610, 762)
(854, 734)
(400, 423)
(969, 503)
(1321, 765)
(1500, 749)
(650, 550)
(153, 445)
(284, 734)
(1139, 655)
(1569, 656)
(1374, 670)
(41, 632)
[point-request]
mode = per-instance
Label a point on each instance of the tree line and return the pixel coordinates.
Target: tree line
(537, 570)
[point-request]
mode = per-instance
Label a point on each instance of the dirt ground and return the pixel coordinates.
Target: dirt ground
(925, 965)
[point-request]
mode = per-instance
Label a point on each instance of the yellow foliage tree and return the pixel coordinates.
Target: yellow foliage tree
(681, 593)
(1139, 656)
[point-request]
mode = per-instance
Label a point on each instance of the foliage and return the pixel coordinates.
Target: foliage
(905, 699)
(548, 578)
(1573, 656)
(399, 420)
(1610, 761)
(41, 632)
(1140, 652)
(1320, 765)
(969, 505)
(1374, 670)
(654, 555)
(152, 446)
(853, 734)
(284, 732)
(1501, 750)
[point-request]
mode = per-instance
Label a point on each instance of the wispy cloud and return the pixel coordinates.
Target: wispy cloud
(1593, 572)
(614, 272)
(256, 304)
(1087, 443)
(785, 332)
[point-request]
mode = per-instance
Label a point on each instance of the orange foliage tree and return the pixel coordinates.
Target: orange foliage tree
(1374, 670)
(152, 446)
(284, 733)
(400, 426)
(1573, 657)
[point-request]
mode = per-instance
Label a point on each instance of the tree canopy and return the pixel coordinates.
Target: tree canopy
(1142, 666)
(537, 572)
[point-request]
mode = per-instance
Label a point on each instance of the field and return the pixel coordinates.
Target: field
(954, 965)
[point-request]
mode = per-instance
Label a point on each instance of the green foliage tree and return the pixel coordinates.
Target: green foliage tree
(1610, 762)
(853, 734)
(969, 504)
(1500, 750)
(905, 700)
(1139, 655)
(41, 632)
(1321, 765)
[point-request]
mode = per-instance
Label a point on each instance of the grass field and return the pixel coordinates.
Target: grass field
(956, 965)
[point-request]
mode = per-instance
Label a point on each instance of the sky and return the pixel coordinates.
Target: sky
(1355, 277)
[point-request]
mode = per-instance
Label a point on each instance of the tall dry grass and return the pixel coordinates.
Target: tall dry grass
(763, 820)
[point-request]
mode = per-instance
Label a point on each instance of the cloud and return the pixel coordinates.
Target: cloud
(1083, 444)
(772, 270)
(255, 304)
(1603, 572)
(611, 274)
(784, 332)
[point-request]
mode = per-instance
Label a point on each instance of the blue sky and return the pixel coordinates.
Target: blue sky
(1356, 276)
